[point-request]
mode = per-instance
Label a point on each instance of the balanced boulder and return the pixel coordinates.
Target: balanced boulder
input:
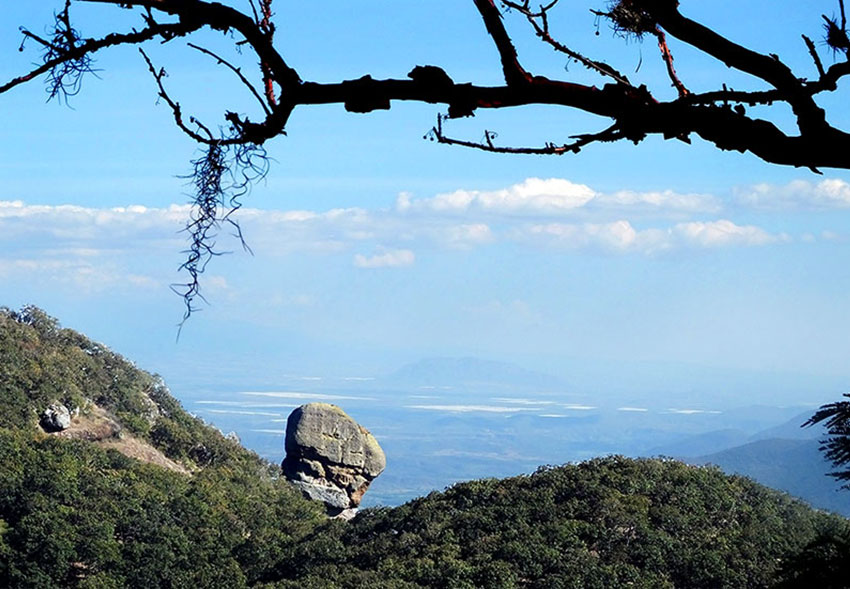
(330, 457)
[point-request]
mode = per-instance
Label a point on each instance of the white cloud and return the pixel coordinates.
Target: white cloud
(216, 282)
(621, 236)
(387, 259)
(617, 236)
(521, 401)
(472, 408)
(70, 233)
(466, 236)
(830, 193)
(693, 412)
(78, 274)
(723, 233)
(665, 199)
(299, 395)
(553, 197)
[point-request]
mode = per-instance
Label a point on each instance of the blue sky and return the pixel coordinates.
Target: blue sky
(373, 247)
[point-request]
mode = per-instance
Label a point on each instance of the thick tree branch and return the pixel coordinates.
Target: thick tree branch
(222, 18)
(766, 67)
(513, 71)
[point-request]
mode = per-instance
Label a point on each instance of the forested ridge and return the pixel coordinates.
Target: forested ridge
(76, 513)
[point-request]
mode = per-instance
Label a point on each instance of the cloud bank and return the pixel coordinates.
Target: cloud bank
(828, 194)
(88, 246)
(558, 197)
(387, 259)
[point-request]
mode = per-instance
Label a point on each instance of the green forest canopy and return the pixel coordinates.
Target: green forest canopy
(75, 514)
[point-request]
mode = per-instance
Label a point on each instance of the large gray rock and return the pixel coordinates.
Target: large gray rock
(330, 457)
(56, 418)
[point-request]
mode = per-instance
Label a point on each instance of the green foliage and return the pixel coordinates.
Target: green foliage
(75, 515)
(824, 563)
(611, 522)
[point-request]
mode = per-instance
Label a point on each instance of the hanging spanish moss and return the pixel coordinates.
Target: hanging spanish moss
(221, 176)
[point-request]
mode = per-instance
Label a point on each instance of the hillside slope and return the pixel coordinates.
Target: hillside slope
(77, 512)
(609, 522)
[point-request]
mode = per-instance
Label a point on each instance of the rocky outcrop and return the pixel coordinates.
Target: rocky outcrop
(55, 418)
(330, 457)
(96, 425)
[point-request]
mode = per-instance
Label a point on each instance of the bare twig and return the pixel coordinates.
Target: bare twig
(158, 75)
(541, 29)
(436, 134)
(667, 56)
(815, 57)
(236, 71)
(265, 23)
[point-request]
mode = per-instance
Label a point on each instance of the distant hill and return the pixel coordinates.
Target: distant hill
(794, 466)
(784, 457)
(470, 374)
(793, 430)
(699, 444)
(723, 439)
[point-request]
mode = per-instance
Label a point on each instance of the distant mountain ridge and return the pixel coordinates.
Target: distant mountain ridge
(724, 439)
(784, 457)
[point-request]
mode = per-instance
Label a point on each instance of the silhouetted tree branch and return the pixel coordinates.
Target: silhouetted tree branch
(719, 116)
(631, 112)
(836, 446)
